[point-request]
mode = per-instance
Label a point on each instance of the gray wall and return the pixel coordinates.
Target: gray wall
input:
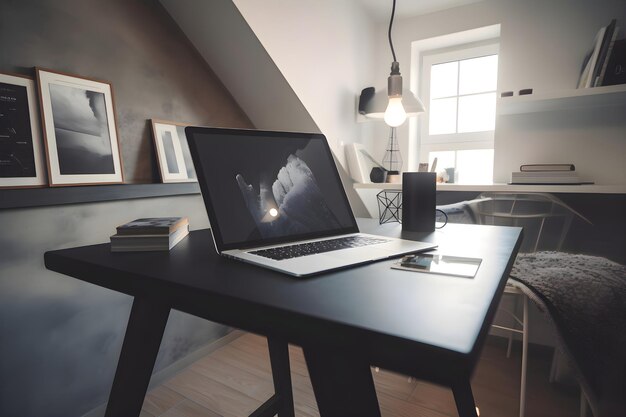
(135, 45)
(59, 337)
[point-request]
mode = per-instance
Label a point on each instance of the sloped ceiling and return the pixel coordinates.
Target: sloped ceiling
(233, 51)
(380, 10)
(224, 39)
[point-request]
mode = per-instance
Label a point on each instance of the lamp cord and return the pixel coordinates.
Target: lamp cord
(393, 11)
(444, 215)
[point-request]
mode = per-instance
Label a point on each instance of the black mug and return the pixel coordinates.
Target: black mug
(419, 197)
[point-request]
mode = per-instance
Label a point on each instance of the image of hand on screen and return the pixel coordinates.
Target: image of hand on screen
(291, 204)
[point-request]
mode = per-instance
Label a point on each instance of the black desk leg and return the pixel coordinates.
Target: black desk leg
(343, 385)
(279, 358)
(281, 402)
(139, 351)
(464, 399)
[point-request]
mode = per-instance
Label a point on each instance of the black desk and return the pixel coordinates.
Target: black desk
(431, 327)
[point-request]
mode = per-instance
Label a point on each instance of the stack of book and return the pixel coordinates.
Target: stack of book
(150, 234)
(546, 174)
(606, 63)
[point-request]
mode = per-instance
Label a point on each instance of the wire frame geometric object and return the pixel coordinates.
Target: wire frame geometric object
(389, 206)
(392, 159)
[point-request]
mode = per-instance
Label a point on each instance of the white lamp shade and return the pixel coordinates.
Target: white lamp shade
(375, 107)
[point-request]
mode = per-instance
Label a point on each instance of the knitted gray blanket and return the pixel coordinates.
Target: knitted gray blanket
(585, 297)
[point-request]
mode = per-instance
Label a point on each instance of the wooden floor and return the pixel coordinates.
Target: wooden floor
(235, 379)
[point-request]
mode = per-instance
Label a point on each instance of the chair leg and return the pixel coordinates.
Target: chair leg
(522, 394)
(553, 367)
(510, 343)
(583, 404)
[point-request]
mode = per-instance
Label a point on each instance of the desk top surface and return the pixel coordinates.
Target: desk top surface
(373, 303)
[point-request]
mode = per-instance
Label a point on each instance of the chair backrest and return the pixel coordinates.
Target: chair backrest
(545, 218)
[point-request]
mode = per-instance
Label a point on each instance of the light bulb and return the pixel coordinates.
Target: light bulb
(395, 114)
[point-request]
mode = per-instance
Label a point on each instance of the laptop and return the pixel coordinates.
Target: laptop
(275, 199)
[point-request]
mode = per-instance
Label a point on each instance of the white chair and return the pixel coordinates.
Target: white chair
(546, 221)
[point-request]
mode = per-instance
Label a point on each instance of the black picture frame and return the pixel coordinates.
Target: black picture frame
(21, 150)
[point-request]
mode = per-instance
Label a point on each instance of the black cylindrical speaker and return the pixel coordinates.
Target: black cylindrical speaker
(419, 195)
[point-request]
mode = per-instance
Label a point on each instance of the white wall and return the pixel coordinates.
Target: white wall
(324, 49)
(542, 46)
(292, 66)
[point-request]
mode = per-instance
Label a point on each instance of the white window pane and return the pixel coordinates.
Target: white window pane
(442, 116)
(443, 79)
(475, 166)
(478, 75)
(445, 164)
(477, 113)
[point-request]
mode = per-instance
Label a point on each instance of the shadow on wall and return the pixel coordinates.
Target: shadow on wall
(61, 340)
(592, 224)
(61, 337)
(545, 218)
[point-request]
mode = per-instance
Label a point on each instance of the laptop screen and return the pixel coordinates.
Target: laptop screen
(263, 188)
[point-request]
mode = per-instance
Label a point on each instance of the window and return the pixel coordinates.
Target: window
(459, 87)
(471, 166)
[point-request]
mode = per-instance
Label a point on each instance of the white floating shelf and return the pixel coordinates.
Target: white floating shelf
(585, 188)
(612, 95)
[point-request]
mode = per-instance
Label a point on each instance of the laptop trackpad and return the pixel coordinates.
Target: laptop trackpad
(367, 253)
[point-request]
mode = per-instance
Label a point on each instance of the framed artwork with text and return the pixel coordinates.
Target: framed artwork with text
(21, 150)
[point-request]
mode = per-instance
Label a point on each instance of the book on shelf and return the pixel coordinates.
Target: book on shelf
(545, 177)
(152, 226)
(607, 57)
(609, 36)
(585, 80)
(546, 167)
(616, 66)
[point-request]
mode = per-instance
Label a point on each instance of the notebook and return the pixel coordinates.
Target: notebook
(275, 199)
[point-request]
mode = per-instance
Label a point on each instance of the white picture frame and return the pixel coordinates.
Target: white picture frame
(78, 118)
(22, 163)
(172, 150)
(360, 162)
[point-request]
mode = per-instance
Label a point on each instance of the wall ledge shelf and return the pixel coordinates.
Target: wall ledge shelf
(55, 196)
(612, 95)
(586, 189)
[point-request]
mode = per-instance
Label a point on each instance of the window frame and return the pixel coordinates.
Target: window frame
(453, 141)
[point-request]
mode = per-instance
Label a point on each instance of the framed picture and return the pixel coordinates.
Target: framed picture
(360, 162)
(21, 154)
(172, 149)
(79, 128)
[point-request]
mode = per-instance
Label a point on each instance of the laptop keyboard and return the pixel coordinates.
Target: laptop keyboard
(311, 248)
